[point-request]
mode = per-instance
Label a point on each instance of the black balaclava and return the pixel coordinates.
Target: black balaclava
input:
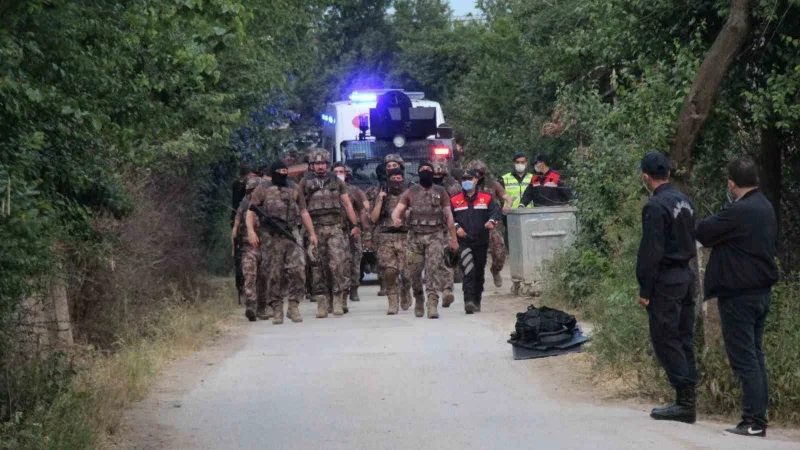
(278, 179)
(394, 186)
(426, 176)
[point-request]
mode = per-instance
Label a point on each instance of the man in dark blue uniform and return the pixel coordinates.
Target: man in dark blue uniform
(666, 283)
(740, 274)
(476, 213)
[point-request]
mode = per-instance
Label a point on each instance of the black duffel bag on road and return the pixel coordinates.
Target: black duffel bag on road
(543, 326)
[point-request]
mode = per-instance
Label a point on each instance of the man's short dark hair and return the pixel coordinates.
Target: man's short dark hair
(265, 170)
(743, 172)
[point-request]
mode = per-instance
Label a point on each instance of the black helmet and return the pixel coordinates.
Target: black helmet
(450, 257)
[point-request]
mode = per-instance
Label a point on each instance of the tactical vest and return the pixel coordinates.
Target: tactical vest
(516, 189)
(279, 205)
(324, 201)
(427, 215)
(390, 202)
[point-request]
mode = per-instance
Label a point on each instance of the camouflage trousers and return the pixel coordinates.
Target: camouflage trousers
(497, 249)
(254, 270)
(332, 274)
(424, 252)
(354, 262)
(376, 242)
(392, 262)
(286, 269)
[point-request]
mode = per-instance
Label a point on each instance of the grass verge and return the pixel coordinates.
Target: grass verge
(604, 291)
(89, 408)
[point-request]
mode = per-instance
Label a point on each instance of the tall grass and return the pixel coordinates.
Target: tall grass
(605, 291)
(89, 406)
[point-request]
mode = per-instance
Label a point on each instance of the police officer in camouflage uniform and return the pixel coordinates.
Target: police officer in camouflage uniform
(390, 162)
(392, 250)
(361, 207)
(441, 177)
(326, 196)
(497, 248)
(279, 208)
(430, 220)
(255, 278)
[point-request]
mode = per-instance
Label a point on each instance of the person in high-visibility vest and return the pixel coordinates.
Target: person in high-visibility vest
(517, 181)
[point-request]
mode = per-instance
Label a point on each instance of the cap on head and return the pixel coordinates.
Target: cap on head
(338, 164)
(655, 164)
(470, 173)
(479, 167)
(252, 183)
(425, 164)
(519, 155)
(543, 158)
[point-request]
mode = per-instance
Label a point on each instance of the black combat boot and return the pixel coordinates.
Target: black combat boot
(683, 410)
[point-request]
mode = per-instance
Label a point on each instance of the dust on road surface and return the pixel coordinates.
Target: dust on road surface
(371, 381)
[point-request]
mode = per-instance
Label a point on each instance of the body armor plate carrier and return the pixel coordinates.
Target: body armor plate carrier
(427, 214)
(390, 202)
(279, 206)
(324, 202)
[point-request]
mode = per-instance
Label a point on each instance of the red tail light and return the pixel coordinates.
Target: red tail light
(441, 151)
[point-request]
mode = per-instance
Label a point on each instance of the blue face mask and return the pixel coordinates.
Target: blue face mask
(468, 185)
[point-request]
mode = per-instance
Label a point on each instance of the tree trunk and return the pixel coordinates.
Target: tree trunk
(700, 101)
(770, 180)
(770, 163)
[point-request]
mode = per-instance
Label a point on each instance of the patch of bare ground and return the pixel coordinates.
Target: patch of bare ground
(140, 428)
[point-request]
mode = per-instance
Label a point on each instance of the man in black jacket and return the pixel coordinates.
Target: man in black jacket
(476, 213)
(546, 188)
(665, 283)
(740, 274)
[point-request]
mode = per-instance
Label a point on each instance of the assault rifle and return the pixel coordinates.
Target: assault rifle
(276, 227)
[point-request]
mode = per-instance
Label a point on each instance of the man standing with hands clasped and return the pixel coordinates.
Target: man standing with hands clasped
(666, 281)
(740, 274)
(476, 213)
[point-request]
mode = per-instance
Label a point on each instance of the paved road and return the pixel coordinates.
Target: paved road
(371, 381)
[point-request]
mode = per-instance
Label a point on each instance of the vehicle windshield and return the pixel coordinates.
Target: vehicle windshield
(364, 156)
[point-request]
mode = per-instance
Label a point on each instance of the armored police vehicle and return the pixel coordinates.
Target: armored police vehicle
(370, 125)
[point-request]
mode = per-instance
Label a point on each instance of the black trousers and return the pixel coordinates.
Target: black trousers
(742, 319)
(473, 266)
(671, 315)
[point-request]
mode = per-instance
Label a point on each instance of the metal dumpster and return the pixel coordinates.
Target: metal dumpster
(534, 234)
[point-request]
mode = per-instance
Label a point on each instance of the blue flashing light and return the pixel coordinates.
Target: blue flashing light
(328, 119)
(363, 97)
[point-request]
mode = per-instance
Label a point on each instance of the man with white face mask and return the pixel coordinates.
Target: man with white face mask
(516, 181)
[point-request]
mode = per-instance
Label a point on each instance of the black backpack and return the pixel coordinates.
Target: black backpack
(543, 325)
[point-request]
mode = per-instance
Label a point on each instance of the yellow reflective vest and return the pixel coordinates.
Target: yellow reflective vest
(515, 188)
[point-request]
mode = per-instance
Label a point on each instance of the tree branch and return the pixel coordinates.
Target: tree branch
(701, 98)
